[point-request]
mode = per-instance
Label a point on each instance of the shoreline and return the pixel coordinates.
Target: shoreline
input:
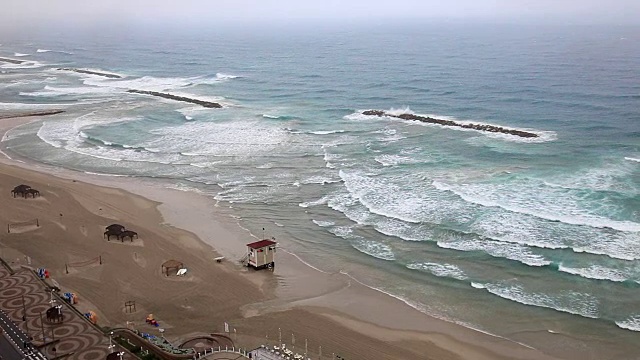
(336, 300)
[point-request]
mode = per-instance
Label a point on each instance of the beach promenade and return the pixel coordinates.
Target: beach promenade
(21, 294)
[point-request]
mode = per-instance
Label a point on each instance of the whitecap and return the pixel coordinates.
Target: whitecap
(567, 301)
(326, 132)
(323, 223)
(548, 205)
(632, 159)
(597, 272)
(20, 54)
(320, 201)
(393, 160)
(43, 50)
(440, 270)
(631, 323)
(374, 248)
(497, 249)
(222, 76)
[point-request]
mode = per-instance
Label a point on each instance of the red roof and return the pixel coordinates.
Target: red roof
(261, 244)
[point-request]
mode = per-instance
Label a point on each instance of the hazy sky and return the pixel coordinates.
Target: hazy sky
(32, 12)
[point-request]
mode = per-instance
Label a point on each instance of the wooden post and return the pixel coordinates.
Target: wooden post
(66, 268)
(100, 259)
(9, 228)
(37, 223)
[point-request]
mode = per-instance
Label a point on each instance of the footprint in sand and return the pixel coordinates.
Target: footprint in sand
(62, 226)
(141, 261)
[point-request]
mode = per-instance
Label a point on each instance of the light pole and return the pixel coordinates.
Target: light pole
(111, 346)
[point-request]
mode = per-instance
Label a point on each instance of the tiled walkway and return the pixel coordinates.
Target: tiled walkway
(74, 336)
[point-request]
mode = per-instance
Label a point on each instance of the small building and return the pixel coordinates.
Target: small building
(260, 254)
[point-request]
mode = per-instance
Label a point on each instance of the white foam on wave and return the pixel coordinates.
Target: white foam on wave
(497, 249)
(237, 138)
(323, 223)
(147, 83)
(47, 136)
(407, 198)
(567, 301)
(21, 54)
(207, 164)
(612, 176)
(43, 50)
(394, 160)
(270, 116)
(105, 174)
(549, 205)
(632, 159)
(326, 132)
(222, 76)
(50, 91)
(517, 228)
(72, 138)
(319, 179)
(184, 188)
(440, 270)
(320, 201)
(373, 248)
(25, 106)
(597, 272)
(31, 64)
(505, 226)
(631, 323)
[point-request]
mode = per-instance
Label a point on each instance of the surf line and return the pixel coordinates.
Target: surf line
(430, 120)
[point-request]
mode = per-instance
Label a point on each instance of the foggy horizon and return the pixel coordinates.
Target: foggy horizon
(41, 13)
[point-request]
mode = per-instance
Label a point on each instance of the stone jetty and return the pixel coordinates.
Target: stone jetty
(90, 72)
(31, 113)
(430, 120)
(11, 61)
(207, 104)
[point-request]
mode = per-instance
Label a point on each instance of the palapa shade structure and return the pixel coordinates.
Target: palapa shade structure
(171, 264)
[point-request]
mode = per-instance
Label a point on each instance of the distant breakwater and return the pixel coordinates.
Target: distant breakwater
(31, 113)
(207, 104)
(430, 120)
(90, 72)
(11, 61)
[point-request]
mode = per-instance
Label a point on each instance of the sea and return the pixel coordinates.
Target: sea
(536, 240)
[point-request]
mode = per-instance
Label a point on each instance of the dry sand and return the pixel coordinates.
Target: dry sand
(329, 310)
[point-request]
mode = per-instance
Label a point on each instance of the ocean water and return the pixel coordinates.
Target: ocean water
(536, 240)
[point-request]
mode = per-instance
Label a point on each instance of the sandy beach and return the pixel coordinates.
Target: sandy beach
(333, 311)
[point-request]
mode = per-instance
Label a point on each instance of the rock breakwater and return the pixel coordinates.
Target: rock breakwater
(11, 61)
(91, 72)
(478, 127)
(207, 104)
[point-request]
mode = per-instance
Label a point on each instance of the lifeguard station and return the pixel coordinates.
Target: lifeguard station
(260, 254)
